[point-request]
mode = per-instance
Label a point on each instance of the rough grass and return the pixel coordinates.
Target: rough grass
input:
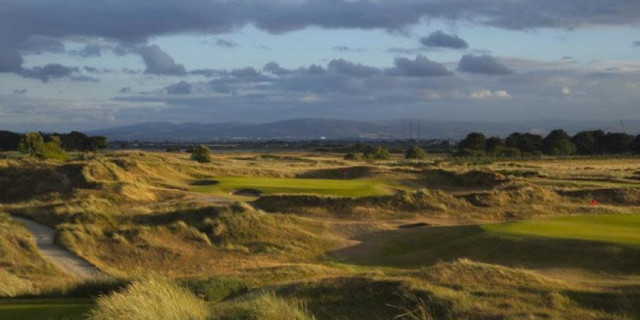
(263, 306)
(150, 298)
(44, 309)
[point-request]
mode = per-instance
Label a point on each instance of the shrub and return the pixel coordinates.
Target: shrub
(376, 153)
(415, 152)
(352, 156)
(150, 299)
(201, 153)
(32, 144)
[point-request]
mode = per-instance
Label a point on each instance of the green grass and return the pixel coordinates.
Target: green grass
(44, 309)
(621, 229)
(266, 185)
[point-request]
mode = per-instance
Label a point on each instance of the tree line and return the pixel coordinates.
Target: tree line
(556, 143)
(50, 145)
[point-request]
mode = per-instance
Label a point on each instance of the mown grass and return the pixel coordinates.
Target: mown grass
(621, 229)
(267, 185)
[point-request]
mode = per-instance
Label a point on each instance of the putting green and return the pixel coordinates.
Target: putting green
(267, 185)
(619, 228)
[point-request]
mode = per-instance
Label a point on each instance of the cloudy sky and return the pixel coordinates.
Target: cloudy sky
(78, 64)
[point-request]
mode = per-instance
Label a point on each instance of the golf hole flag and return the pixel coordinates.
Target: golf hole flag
(593, 202)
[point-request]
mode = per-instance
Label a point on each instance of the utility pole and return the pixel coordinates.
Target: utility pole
(418, 130)
(411, 129)
(622, 126)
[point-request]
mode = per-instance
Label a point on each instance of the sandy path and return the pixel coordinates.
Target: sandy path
(62, 258)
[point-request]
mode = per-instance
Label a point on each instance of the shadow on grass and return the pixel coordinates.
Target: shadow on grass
(427, 246)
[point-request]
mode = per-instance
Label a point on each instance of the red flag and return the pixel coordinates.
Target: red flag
(593, 202)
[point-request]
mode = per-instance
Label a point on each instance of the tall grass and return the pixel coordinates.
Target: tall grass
(150, 298)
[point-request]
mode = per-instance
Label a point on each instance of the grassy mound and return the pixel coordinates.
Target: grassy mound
(343, 173)
(150, 299)
(403, 203)
(265, 306)
(440, 178)
(616, 196)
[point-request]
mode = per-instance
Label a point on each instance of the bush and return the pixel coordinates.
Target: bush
(150, 299)
(468, 153)
(32, 144)
(201, 153)
(352, 156)
(415, 152)
(376, 153)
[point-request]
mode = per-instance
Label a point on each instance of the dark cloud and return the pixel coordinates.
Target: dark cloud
(50, 71)
(352, 69)
(83, 78)
(159, 62)
(37, 44)
(421, 66)
(20, 91)
(135, 21)
(347, 49)
(209, 72)
(125, 90)
(88, 51)
(246, 73)
(226, 43)
(636, 43)
(181, 87)
(275, 69)
(439, 39)
(10, 60)
(484, 64)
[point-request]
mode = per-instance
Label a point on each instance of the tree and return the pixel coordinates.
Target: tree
(635, 145)
(97, 143)
(525, 142)
(557, 143)
(415, 152)
(9, 141)
(494, 146)
(585, 142)
(615, 142)
(473, 141)
(376, 153)
(32, 144)
(53, 149)
(201, 153)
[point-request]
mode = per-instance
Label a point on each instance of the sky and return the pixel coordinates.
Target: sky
(82, 65)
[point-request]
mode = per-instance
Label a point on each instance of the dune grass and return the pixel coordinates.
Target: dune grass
(621, 229)
(268, 185)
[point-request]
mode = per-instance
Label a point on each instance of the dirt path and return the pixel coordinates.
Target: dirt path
(59, 256)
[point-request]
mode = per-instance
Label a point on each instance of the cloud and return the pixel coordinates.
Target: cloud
(49, 71)
(439, 39)
(125, 90)
(208, 72)
(421, 66)
(226, 43)
(347, 49)
(159, 62)
(484, 94)
(565, 90)
(38, 44)
(20, 91)
(636, 43)
(181, 87)
(88, 51)
(484, 64)
(83, 78)
(10, 60)
(275, 69)
(351, 69)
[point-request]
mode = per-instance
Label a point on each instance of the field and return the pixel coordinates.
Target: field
(297, 235)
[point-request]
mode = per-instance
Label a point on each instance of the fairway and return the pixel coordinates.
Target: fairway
(44, 309)
(621, 229)
(267, 185)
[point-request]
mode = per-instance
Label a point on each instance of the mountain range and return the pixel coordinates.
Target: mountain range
(334, 129)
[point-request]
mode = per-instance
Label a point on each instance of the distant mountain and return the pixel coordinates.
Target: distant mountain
(343, 129)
